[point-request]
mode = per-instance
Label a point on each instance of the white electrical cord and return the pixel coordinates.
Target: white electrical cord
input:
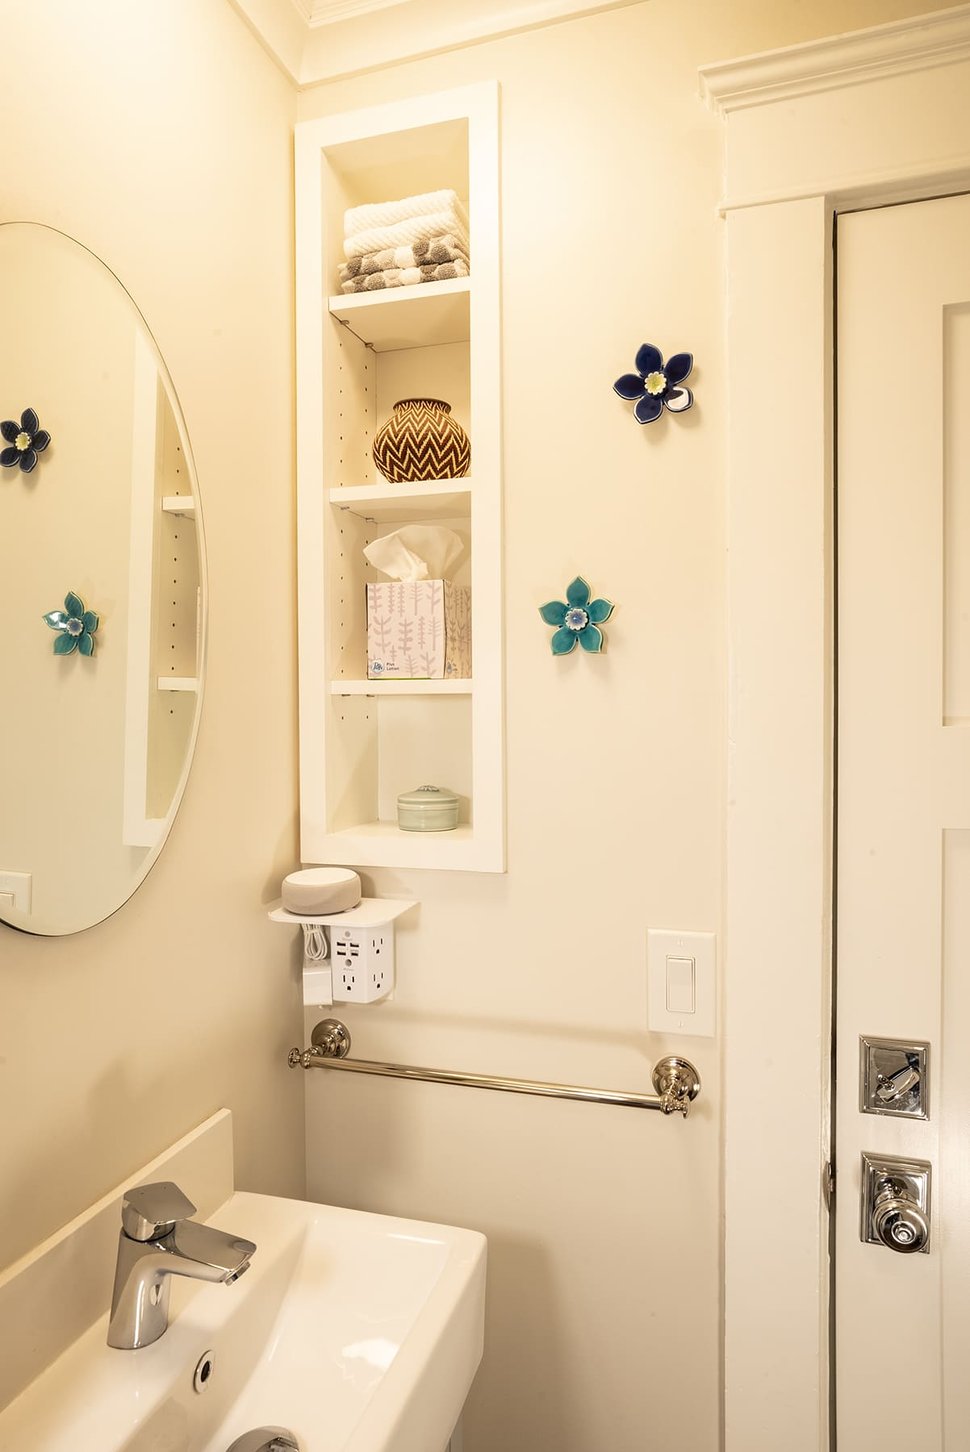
(315, 945)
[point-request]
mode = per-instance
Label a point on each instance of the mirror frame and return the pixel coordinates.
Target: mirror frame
(174, 401)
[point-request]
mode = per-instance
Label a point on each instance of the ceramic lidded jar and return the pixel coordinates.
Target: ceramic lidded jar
(427, 809)
(421, 441)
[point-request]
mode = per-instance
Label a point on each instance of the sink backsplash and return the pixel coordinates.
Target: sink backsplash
(53, 1294)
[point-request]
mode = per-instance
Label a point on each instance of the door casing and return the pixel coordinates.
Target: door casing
(878, 116)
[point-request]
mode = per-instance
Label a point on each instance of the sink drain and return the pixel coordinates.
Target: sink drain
(266, 1439)
(203, 1371)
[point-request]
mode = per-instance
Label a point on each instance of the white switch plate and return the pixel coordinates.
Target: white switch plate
(15, 890)
(671, 985)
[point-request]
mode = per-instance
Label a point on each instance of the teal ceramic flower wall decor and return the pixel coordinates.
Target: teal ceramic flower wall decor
(578, 618)
(75, 626)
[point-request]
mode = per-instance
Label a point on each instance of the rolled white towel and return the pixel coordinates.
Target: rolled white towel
(404, 234)
(385, 214)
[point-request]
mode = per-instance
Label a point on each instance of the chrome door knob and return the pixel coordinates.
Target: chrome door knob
(898, 1220)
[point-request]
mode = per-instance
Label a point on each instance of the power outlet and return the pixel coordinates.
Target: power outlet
(362, 961)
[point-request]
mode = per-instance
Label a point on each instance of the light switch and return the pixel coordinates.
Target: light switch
(681, 982)
(680, 985)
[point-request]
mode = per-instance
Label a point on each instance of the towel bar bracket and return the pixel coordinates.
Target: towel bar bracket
(676, 1080)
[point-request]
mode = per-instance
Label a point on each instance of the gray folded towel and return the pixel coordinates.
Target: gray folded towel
(447, 248)
(405, 276)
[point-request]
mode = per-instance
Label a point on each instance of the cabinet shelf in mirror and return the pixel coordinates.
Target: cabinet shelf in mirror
(452, 687)
(420, 316)
(178, 683)
(181, 504)
(396, 503)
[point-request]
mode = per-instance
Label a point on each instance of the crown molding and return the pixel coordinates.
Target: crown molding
(324, 40)
(330, 12)
(938, 38)
(281, 27)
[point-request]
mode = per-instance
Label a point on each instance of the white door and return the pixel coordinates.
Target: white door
(902, 1319)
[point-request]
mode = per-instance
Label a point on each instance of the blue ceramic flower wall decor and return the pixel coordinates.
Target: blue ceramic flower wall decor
(577, 618)
(656, 385)
(75, 626)
(26, 440)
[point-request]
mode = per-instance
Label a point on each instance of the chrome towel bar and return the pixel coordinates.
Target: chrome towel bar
(675, 1080)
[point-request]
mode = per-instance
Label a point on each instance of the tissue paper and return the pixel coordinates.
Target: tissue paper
(418, 622)
(416, 552)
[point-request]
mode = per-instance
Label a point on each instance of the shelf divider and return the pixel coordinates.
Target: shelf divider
(453, 687)
(178, 683)
(419, 316)
(182, 504)
(392, 503)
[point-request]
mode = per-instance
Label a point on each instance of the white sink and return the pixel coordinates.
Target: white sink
(356, 1332)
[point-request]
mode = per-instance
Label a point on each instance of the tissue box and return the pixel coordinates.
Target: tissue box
(419, 630)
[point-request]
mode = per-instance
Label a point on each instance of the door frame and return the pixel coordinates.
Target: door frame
(851, 121)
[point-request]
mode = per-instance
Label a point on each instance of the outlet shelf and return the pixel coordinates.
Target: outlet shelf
(370, 912)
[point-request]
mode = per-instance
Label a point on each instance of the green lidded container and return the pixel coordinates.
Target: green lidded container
(427, 809)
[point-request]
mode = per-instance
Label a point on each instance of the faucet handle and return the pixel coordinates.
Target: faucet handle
(150, 1211)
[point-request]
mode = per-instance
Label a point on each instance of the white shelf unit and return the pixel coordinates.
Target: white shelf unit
(180, 504)
(397, 503)
(164, 609)
(362, 742)
(348, 686)
(423, 316)
(178, 683)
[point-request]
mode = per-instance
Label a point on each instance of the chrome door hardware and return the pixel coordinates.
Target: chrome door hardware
(894, 1078)
(896, 1203)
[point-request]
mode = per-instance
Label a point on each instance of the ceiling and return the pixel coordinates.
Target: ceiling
(321, 40)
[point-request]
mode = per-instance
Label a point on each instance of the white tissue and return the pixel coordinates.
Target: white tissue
(416, 552)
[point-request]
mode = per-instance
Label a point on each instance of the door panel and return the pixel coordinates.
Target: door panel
(903, 890)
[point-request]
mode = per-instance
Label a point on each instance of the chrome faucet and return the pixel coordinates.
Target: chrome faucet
(158, 1241)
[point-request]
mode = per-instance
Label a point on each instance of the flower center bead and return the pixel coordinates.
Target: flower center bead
(655, 382)
(576, 619)
(75, 626)
(22, 442)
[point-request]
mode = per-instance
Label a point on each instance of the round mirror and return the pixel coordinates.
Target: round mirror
(102, 583)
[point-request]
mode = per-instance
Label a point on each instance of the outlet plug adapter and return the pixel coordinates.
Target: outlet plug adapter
(362, 963)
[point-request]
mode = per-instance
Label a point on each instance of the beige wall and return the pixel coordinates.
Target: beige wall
(159, 135)
(603, 1225)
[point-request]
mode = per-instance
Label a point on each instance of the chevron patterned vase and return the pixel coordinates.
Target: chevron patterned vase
(421, 441)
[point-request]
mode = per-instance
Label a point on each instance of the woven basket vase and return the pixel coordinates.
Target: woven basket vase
(421, 441)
